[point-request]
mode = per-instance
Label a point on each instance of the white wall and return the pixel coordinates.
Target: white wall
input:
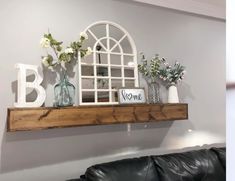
(230, 96)
(59, 154)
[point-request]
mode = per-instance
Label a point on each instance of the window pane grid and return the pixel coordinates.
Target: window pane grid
(114, 53)
(124, 73)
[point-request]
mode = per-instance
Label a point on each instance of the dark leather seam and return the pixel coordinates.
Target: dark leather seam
(147, 169)
(156, 166)
(206, 173)
(218, 157)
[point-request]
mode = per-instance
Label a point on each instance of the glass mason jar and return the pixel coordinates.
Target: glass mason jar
(64, 92)
(153, 92)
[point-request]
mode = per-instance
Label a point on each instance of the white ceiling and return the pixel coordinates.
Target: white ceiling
(211, 8)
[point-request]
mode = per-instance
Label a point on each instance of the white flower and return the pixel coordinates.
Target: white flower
(177, 63)
(166, 64)
(89, 51)
(51, 68)
(68, 50)
(83, 35)
(45, 61)
(45, 42)
(131, 64)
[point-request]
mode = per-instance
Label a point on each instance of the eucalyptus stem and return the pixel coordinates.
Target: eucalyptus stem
(54, 49)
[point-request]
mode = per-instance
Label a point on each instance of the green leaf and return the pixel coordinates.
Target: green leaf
(49, 59)
(82, 53)
(58, 43)
(58, 48)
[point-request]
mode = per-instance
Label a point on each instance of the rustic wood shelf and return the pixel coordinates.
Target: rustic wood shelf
(25, 119)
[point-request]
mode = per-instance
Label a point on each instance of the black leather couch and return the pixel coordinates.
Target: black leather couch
(200, 165)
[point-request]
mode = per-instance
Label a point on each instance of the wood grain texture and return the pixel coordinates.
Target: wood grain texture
(23, 119)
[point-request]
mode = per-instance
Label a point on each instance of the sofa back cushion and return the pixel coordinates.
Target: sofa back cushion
(200, 165)
(136, 169)
(221, 153)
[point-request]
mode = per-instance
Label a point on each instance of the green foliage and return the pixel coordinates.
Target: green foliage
(76, 45)
(159, 68)
(172, 75)
(63, 56)
(150, 70)
(52, 40)
(59, 48)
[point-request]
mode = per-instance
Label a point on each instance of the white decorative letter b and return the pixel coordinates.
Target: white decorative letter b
(23, 85)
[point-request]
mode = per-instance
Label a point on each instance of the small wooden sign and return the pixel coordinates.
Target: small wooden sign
(131, 96)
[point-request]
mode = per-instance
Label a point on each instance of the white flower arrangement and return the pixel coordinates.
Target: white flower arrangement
(83, 35)
(68, 50)
(62, 57)
(171, 74)
(89, 51)
(45, 42)
(159, 68)
(46, 61)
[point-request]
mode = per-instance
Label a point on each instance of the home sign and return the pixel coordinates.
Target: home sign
(131, 96)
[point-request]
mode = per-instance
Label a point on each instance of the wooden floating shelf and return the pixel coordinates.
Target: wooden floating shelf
(26, 119)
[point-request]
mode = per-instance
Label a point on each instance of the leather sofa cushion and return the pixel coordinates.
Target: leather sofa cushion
(136, 169)
(221, 153)
(200, 165)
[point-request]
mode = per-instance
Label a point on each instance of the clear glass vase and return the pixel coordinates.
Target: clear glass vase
(64, 92)
(153, 92)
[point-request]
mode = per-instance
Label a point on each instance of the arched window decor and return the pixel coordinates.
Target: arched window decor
(112, 64)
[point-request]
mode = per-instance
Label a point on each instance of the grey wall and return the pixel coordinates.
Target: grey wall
(197, 42)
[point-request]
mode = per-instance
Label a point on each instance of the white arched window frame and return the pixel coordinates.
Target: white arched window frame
(109, 51)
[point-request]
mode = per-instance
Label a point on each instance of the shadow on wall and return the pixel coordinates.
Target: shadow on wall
(50, 78)
(185, 91)
(22, 150)
(31, 96)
